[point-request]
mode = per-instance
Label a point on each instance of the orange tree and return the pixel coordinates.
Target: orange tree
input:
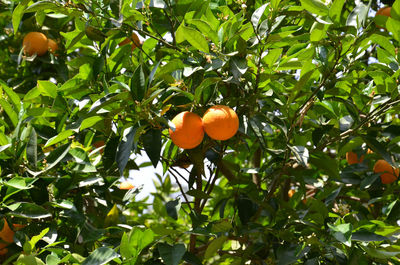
(310, 81)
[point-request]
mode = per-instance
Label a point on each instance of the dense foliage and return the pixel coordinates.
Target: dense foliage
(310, 81)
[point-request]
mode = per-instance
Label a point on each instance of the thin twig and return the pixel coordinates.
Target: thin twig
(371, 116)
(210, 189)
(181, 189)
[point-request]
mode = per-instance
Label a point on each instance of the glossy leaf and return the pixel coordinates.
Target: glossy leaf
(101, 255)
(172, 255)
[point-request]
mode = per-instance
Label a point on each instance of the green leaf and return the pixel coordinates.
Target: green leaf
(315, 7)
(301, 153)
(100, 256)
(198, 194)
(318, 31)
(395, 10)
(224, 225)
(31, 148)
(204, 84)
(191, 259)
(19, 183)
(325, 163)
(172, 208)
(335, 12)
(9, 111)
(42, 5)
(125, 250)
(358, 16)
(57, 155)
(366, 236)
(134, 242)
(384, 42)
(124, 148)
(53, 159)
(307, 72)
(58, 138)
(205, 28)
(379, 253)
(214, 246)
(238, 66)
(18, 13)
(90, 122)
(193, 36)
(36, 239)
(272, 56)
(247, 208)
(256, 16)
(14, 98)
(153, 72)
(28, 210)
(171, 255)
(52, 259)
(342, 233)
(112, 216)
(170, 67)
(108, 99)
(152, 145)
(94, 33)
(138, 84)
(24, 259)
(378, 148)
(394, 27)
(47, 88)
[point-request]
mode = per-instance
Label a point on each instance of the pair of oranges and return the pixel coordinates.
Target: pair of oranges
(388, 174)
(38, 43)
(220, 122)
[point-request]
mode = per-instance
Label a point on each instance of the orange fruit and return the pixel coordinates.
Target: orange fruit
(389, 174)
(352, 158)
(35, 42)
(291, 192)
(52, 46)
(384, 11)
(126, 185)
(134, 38)
(6, 234)
(220, 122)
(188, 131)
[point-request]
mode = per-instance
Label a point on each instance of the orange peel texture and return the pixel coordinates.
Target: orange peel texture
(220, 122)
(188, 131)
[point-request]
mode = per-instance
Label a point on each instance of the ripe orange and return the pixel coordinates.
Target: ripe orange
(389, 174)
(52, 46)
(134, 38)
(352, 158)
(6, 234)
(35, 42)
(384, 11)
(220, 122)
(189, 130)
(126, 185)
